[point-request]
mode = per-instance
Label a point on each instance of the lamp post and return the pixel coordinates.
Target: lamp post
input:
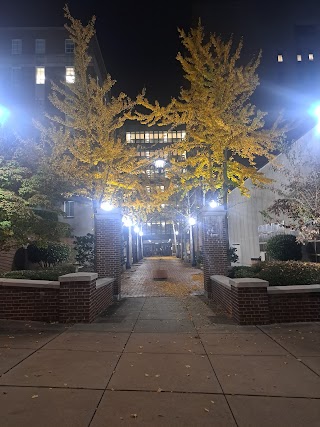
(192, 222)
(136, 245)
(128, 224)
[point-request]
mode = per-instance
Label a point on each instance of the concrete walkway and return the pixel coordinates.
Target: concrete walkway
(159, 361)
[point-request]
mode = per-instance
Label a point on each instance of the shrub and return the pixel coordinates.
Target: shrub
(284, 247)
(47, 274)
(49, 253)
(290, 273)
(281, 273)
(84, 247)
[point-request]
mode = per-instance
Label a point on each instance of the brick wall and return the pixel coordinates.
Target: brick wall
(214, 245)
(252, 302)
(27, 303)
(222, 295)
(6, 259)
(250, 305)
(108, 232)
(76, 298)
(294, 307)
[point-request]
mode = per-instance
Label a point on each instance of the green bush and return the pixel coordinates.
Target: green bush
(284, 247)
(281, 273)
(290, 273)
(49, 253)
(84, 247)
(48, 274)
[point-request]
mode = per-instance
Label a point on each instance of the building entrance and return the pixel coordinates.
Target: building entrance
(157, 249)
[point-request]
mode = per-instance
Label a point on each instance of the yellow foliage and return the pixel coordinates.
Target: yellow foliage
(225, 131)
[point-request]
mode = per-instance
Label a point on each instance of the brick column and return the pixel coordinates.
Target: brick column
(214, 245)
(108, 247)
(75, 296)
(249, 297)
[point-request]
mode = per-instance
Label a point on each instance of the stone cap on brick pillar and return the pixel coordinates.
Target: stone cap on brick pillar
(78, 277)
(248, 282)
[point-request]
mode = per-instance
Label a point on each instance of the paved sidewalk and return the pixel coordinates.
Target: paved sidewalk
(159, 361)
(182, 279)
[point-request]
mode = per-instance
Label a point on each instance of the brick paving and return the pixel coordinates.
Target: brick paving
(159, 361)
(182, 279)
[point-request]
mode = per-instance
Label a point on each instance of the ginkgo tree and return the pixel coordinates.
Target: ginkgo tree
(225, 132)
(84, 134)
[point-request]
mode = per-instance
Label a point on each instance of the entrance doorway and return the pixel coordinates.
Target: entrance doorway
(157, 249)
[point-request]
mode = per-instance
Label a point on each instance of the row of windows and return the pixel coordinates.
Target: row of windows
(310, 57)
(40, 46)
(146, 153)
(40, 75)
(157, 228)
(154, 137)
(158, 187)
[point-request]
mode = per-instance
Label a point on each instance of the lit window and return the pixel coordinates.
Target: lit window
(162, 188)
(16, 46)
(40, 46)
(69, 46)
(280, 58)
(148, 189)
(299, 58)
(128, 137)
(147, 153)
(40, 75)
(311, 57)
(68, 208)
(70, 75)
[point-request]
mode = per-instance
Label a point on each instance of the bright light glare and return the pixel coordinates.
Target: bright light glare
(192, 221)
(160, 163)
(106, 206)
(140, 233)
(127, 222)
(4, 114)
(136, 229)
(213, 204)
(176, 233)
(315, 112)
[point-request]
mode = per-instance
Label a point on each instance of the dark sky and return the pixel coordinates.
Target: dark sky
(138, 39)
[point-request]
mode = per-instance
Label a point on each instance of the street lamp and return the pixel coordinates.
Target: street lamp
(160, 163)
(192, 222)
(213, 204)
(106, 206)
(4, 114)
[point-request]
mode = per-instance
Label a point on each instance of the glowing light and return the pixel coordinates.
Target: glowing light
(176, 233)
(4, 114)
(106, 206)
(127, 222)
(160, 163)
(315, 112)
(192, 221)
(213, 204)
(136, 229)
(140, 233)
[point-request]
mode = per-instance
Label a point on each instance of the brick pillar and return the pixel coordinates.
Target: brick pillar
(75, 296)
(249, 299)
(108, 247)
(214, 245)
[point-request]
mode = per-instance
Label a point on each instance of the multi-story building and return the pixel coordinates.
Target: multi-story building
(30, 59)
(159, 231)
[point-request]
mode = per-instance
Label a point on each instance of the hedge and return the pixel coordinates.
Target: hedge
(281, 273)
(47, 274)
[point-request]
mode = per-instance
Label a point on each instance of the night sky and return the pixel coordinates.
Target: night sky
(138, 39)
